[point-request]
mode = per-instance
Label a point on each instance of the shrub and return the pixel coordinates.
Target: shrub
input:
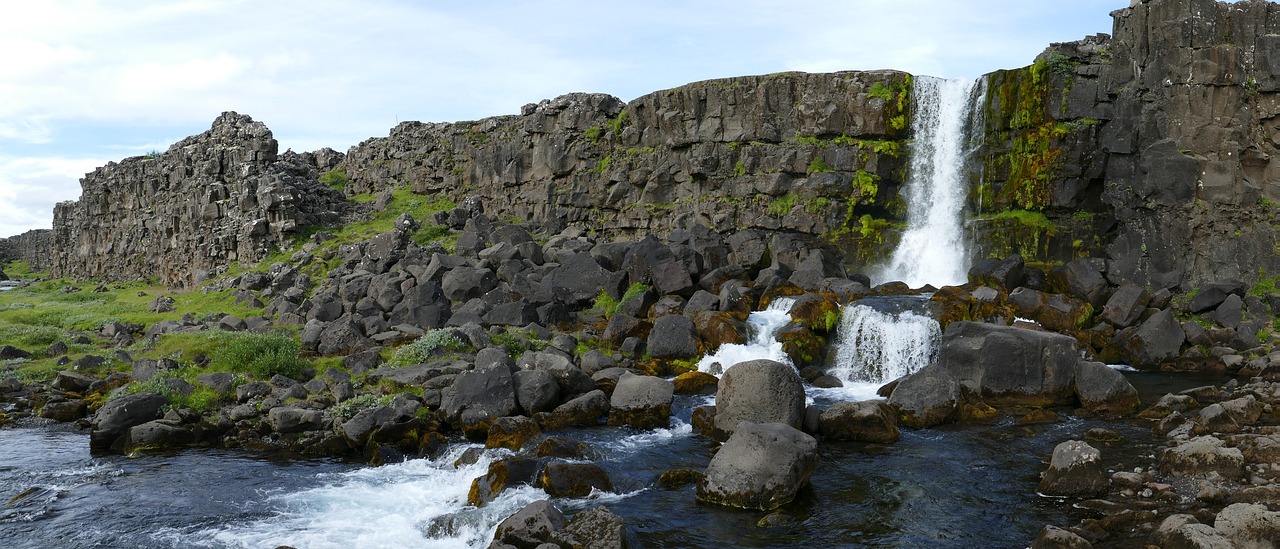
(422, 349)
(259, 355)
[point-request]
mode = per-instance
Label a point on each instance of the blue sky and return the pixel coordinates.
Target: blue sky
(87, 82)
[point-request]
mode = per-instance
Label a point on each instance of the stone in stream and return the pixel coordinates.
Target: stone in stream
(114, 419)
(759, 391)
(762, 466)
(866, 421)
(1052, 537)
(573, 479)
(641, 401)
(1075, 470)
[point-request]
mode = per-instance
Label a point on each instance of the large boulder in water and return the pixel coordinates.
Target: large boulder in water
(1002, 365)
(762, 466)
(1075, 470)
(641, 401)
(114, 419)
(759, 391)
(866, 421)
(1156, 340)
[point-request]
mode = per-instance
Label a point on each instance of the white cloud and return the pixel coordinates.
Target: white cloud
(29, 188)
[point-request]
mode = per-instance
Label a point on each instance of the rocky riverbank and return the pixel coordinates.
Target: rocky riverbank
(517, 335)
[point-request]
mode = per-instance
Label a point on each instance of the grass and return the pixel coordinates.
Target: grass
(336, 179)
(1024, 217)
(782, 205)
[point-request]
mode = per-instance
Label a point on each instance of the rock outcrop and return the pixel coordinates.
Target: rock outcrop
(34, 246)
(186, 214)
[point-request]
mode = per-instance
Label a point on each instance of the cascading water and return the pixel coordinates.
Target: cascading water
(933, 249)
(764, 344)
(881, 339)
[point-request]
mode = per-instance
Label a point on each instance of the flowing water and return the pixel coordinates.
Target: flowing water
(764, 327)
(880, 339)
(933, 249)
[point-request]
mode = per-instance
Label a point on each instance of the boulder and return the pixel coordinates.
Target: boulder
(695, 383)
(1158, 339)
(343, 336)
(926, 398)
(595, 528)
(1125, 305)
(64, 410)
(534, 525)
(357, 430)
(159, 434)
(9, 352)
(641, 401)
(1075, 470)
(423, 306)
(512, 432)
(574, 479)
(865, 421)
(114, 419)
(583, 411)
(651, 262)
(73, 382)
(580, 279)
(289, 419)
(762, 466)
(1010, 365)
(1080, 279)
(479, 396)
(463, 283)
(673, 337)
(998, 273)
(1249, 525)
(536, 391)
(1052, 537)
(1213, 294)
(1201, 456)
(502, 474)
(1102, 389)
(759, 391)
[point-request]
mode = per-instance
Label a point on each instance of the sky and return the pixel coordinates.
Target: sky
(85, 82)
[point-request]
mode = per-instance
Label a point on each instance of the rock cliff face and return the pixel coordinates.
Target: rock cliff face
(809, 153)
(182, 215)
(1155, 147)
(32, 246)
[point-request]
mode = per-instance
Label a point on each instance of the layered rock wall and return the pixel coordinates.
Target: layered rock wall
(33, 246)
(809, 153)
(212, 199)
(1155, 147)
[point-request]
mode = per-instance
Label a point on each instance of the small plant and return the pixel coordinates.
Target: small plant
(423, 348)
(347, 409)
(818, 165)
(615, 125)
(880, 91)
(739, 169)
(259, 355)
(593, 133)
(335, 179)
(782, 205)
(606, 304)
(602, 165)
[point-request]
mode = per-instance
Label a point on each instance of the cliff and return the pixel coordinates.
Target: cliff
(1153, 148)
(222, 196)
(33, 246)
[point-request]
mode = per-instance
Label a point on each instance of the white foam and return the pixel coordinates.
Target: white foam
(1123, 368)
(651, 438)
(875, 347)
(418, 503)
(763, 345)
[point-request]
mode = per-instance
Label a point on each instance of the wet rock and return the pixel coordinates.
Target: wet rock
(925, 400)
(114, 419)
(512, 433)
(866, 421)
(1052, 537)
(535, 525)
(1102, 389)
(1183, 531)
(641, 401)
(583, 411)
(1168, 404)
(1203, 455)
(502, 474)
(596, 528)
(1075, 470)
(759, 391)
(574, 479)
(159, 434)
(762, 466)
(1249, 525)
(695, 383)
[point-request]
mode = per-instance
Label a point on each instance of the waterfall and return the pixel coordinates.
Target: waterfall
(884, 338)
(764, 343)
(933, 249)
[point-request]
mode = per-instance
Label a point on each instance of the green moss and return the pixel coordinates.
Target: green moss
(810, 140)
(880, 91)
(739, 169)
(593, 133)
(602, 166)
(616, 124)
(867, 186)
(782, 205)
(1265, 285)
(818, 165)
(817, 205)
(336, 179)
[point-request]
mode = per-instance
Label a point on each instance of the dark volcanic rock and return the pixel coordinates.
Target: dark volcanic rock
(759, 391)
(114, 419)
(762, 466)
